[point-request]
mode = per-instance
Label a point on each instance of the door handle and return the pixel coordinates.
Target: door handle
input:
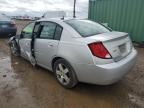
(50, 45)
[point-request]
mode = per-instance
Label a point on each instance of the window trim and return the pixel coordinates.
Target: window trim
(34, 35)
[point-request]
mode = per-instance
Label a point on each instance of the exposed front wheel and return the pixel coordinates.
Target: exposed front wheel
(14, 48)
(65, 74)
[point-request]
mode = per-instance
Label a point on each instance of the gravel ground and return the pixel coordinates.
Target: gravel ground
(25, 86)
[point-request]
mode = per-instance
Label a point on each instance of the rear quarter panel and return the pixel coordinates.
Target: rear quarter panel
(75, 52)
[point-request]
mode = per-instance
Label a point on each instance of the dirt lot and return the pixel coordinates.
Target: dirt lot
(25, 86)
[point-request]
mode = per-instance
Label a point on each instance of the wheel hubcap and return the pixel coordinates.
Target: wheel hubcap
(62, 74)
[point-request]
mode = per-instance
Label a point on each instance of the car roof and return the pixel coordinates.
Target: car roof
(59, 19)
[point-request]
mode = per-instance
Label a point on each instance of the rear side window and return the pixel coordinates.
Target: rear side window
(58, 32)
(48, 30)
(87, 28)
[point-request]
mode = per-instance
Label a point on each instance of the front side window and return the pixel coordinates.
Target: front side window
(87, 28)
(48, 30)
(27, 31)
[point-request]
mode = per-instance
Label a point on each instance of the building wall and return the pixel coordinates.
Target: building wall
(121, 15)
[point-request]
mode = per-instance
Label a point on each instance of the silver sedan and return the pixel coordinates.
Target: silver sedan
(76, 50)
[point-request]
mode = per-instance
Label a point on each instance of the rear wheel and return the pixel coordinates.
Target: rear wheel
(65, 74)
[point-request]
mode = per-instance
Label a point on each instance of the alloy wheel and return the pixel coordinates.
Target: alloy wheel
(62, 74)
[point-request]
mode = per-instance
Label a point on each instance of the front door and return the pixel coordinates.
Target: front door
(25, 41)
(46, 43)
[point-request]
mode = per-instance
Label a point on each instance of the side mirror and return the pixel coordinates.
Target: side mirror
(22, 33)
(17, 36)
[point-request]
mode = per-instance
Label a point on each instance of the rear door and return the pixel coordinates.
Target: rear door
(46, 43)
(25, 40)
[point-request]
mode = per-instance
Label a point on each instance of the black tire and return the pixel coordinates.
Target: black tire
(70, 74)
(14, 48)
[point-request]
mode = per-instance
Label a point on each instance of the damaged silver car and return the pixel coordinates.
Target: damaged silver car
(76, 50)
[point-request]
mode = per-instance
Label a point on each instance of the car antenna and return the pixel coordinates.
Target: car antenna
(74, 12)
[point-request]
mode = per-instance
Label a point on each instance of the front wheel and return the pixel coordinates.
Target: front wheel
(65, 74)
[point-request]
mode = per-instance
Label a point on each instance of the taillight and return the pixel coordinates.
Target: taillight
(99, 50)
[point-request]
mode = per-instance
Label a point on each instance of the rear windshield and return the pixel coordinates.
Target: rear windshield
(87, 28)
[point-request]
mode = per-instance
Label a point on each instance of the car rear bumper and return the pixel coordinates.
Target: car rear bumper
(105, 74)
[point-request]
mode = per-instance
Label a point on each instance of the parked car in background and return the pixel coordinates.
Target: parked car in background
(76, 50)
(7, 27)
(54, 14)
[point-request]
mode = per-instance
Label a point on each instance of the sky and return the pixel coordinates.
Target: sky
(39, 7)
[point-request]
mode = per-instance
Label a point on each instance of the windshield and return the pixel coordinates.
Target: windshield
(87, 28)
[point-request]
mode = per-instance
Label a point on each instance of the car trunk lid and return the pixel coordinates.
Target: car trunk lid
(117, 43)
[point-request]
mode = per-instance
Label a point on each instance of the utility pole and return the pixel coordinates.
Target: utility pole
(74, 12)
